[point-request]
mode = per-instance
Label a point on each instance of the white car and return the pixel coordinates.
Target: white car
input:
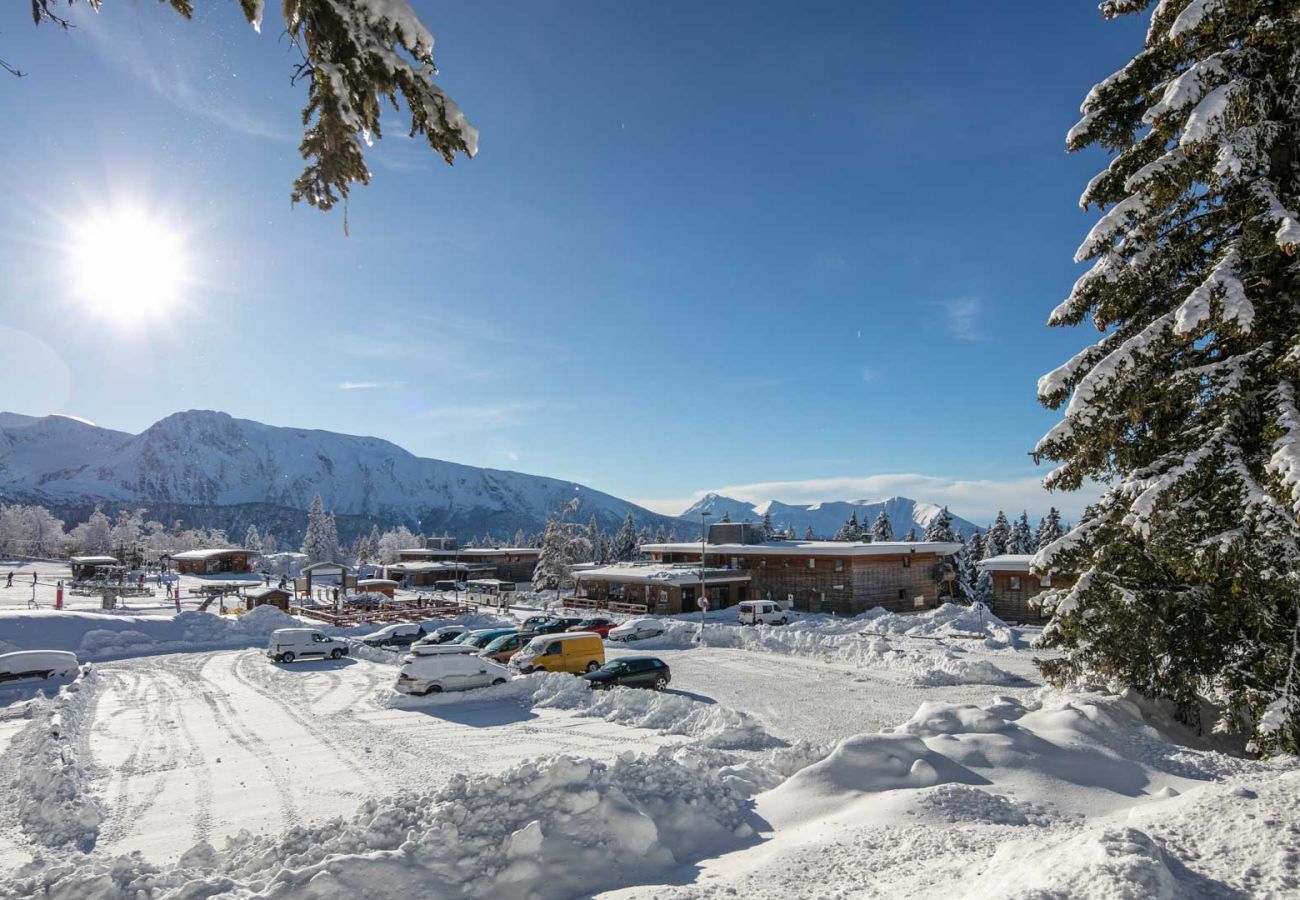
(288, 644)
(761, 612)
(448, 667)
(636, 629)
(36, 665)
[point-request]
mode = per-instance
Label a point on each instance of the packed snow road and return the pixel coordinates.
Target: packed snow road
(197, 746)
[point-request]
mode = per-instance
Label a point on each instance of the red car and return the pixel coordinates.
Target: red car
(599, 625)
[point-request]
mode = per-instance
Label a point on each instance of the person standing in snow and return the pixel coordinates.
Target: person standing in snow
(9, 580)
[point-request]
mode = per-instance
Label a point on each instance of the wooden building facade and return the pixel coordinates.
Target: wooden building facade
(1016, 588)
(212, 562)
(662, 589)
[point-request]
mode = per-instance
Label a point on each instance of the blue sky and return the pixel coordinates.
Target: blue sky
(801, 251)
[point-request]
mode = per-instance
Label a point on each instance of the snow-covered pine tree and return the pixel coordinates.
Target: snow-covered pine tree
(1049, 529)
(808, 534)
(850, 530)
(520, 539)
(644, 536)
(882, 529)
(672, 534)
(769, 530)
(602, 548)
(357, 57)
(252, 540)
(939, 527)
(321, 541)
(1189, 565)
(553, 561)
(1022, 536)
(624, 546)
(911, 534)
(269, 544)
(974, 551)
(997, 537)
(95, 535)
(661, 535)
(964, 583)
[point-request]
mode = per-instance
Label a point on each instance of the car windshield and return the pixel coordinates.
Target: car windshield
(615, 667)
(501, 643)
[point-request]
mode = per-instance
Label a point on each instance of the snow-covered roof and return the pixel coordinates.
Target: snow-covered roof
(811, 548)
(208, 554)
(633, 573)
(1007, 562)
(326, 566)
(93, 560)
(472, 551)
(433, 567)
(267, 592)
(376, 582)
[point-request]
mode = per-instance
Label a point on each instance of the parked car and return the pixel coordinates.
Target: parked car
(482, 637)
(288, 644)
(761, 612)
(449, 667)
(631, 671)
(36, 665)
(403, 634)
(597, 625)
(507, 645)
(636, 629)
(441, 635)
(556, 624)
(571, 651)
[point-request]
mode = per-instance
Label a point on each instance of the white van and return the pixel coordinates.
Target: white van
(432, 669)
(288, 644)
(761, 612)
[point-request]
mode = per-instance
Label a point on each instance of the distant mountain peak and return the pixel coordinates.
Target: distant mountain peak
(826, 517)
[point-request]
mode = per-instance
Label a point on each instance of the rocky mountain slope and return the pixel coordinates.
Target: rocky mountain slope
(826, 518)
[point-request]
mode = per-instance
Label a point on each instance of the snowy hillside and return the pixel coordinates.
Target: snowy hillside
(211, 469)
(826, 518)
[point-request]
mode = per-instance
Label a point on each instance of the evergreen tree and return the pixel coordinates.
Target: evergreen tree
(252, 540)
(882, 529)
(661, 535)
(910, 537)
(940, 527)
(269, 544)
(769, 530)
(519, 540)
(1186, 407)
(808, 534)
(1022, 536)
(624, 546)
(356, 59)
(321, 542)
(643, 537)
(997, 537)
(552, 568)
(850, 530)
(672, 534)
(1049, 529)
(964, 561)
(602, 548)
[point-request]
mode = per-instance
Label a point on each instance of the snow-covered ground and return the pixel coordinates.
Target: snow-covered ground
(881, 756)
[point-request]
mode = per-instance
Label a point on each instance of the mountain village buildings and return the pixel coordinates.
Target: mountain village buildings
(817, 576)
(212, 562)
(1015, 587)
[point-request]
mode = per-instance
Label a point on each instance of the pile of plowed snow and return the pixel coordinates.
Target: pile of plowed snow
(102, 636)
(558, 827)
(48, 781)
(710, 724)
(877, 639)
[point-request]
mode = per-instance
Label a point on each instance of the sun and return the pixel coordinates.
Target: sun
(127, 264)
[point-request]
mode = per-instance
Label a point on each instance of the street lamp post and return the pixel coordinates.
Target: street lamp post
(702, 601)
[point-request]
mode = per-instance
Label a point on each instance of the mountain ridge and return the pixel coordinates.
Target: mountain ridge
(826, 517)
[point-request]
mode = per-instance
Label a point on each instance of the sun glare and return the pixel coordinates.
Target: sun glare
(127, 265)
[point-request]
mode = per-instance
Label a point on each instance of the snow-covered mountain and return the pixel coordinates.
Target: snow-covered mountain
(826, 518)
(208, 468)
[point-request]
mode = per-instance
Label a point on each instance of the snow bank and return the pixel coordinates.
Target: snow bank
(558, 827)
(101, 636)
(54, 804)
(667, 713)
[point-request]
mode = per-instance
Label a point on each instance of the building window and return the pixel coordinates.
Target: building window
(902, 593)
(839, 565)
(1045, 581)
(1015, 583)
(907, 562)
(812, 563)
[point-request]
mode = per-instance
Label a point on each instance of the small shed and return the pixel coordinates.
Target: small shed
(90, 566)
(271, 596)
(384, 586)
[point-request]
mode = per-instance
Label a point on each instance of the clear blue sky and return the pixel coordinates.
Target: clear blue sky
(703, 245)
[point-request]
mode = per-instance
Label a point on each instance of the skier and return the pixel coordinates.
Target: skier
(9, 579)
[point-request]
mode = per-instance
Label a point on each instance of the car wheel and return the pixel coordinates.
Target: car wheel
(336, 653)
(286, 657)
(661, 683)
(432, 689)
(593, 666)
(785, 621)
(496, 681)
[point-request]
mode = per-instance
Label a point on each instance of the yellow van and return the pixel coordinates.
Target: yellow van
(572, 651)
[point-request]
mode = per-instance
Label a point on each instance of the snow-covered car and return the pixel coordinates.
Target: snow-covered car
(761, 612)
(402, 634)
(441, 635)
(636, 629)
(288, 644)
(36, 665)
(450, 667)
